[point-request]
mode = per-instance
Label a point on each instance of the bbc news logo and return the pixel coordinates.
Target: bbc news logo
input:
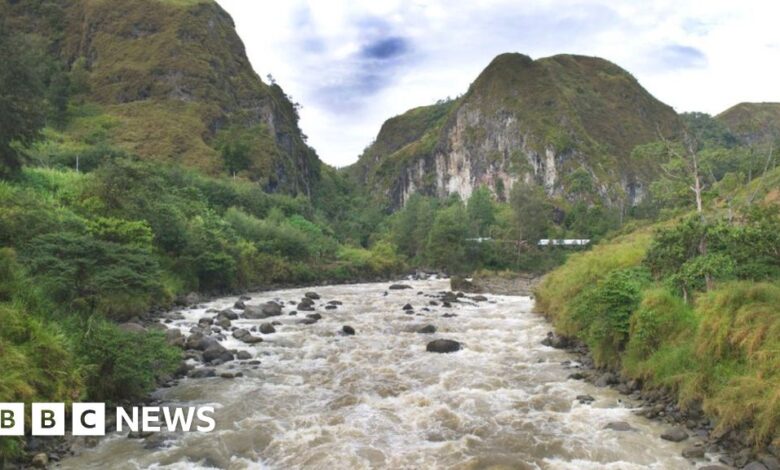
(89, 419)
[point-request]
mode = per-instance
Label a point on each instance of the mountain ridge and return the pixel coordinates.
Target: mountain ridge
(536, 121)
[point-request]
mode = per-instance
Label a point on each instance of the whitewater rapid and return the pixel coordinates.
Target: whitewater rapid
(319, 399)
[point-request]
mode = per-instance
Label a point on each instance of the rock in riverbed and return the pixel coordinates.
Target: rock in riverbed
(202, 373)
(312, 295)
(693, 452)
(619, 426)
(40, 460)
(427, 329)
(443, 346)
(267, 328)
(257, 312)
(399, 287)
(244, 335)
(217, 352)
(347, 330)
(675, 435)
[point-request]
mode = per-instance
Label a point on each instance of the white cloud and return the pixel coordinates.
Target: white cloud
(354, 64)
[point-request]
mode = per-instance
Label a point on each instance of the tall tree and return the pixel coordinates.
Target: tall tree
(480, 210)
(22, 99)
(532, 211)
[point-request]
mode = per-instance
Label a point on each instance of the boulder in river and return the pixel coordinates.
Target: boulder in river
(229, 314)
(585, 399)
(556, 341)
(223, 322)
(479, 298)
(605, 379)
(347, 330)
(239, 305)
(331, 307)
(427, 329)
(619, 426)
(305, 307)
(399, 287)
(312, 295)
(677, 434)
(335, 302)
(200, 342)
(217, 352)
(267, 328)
(693, 452)
(408, 307)
(201, 373)
(243, 355)
(443, 346)
(314, 316)
(756, 465)
(258, 312)
(240, 333)
(245, 336)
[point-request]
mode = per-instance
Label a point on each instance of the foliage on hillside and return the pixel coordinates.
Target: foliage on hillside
(718, 348)
(753, 123)
(161, 79)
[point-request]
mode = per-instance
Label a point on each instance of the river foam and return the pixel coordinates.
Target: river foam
(320, 399)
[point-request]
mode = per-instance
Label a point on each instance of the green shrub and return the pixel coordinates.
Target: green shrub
(603, 312)
(121, 365)
(87, 274)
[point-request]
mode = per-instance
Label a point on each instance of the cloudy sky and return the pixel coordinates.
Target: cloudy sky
(354, 64)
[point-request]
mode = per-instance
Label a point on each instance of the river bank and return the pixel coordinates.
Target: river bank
(690, 424)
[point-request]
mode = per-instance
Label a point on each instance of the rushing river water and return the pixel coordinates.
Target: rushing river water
(379, 400)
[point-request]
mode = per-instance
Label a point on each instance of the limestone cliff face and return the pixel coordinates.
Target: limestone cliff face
(171, 74)
(566, 123)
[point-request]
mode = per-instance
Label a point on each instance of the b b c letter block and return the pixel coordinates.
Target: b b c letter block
(48, 419)
(89, 419)
(11, 419)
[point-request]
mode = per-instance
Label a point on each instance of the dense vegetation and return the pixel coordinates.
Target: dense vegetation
(691, 303)
(99, 226)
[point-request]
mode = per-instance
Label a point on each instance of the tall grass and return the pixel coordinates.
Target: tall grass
(723, 350)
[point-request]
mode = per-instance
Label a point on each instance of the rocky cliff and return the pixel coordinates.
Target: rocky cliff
(567, 123)
(167, 77)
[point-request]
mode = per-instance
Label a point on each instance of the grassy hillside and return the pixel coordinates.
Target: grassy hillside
(704, 324)
(753, 123)
(170, 80)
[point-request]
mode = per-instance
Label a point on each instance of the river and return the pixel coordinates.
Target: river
(319, 399)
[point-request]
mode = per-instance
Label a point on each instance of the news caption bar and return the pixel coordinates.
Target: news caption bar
(89, 419)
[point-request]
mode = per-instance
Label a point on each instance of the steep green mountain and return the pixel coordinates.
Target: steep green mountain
(169, 80)
(753, 123)
(567, 123)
